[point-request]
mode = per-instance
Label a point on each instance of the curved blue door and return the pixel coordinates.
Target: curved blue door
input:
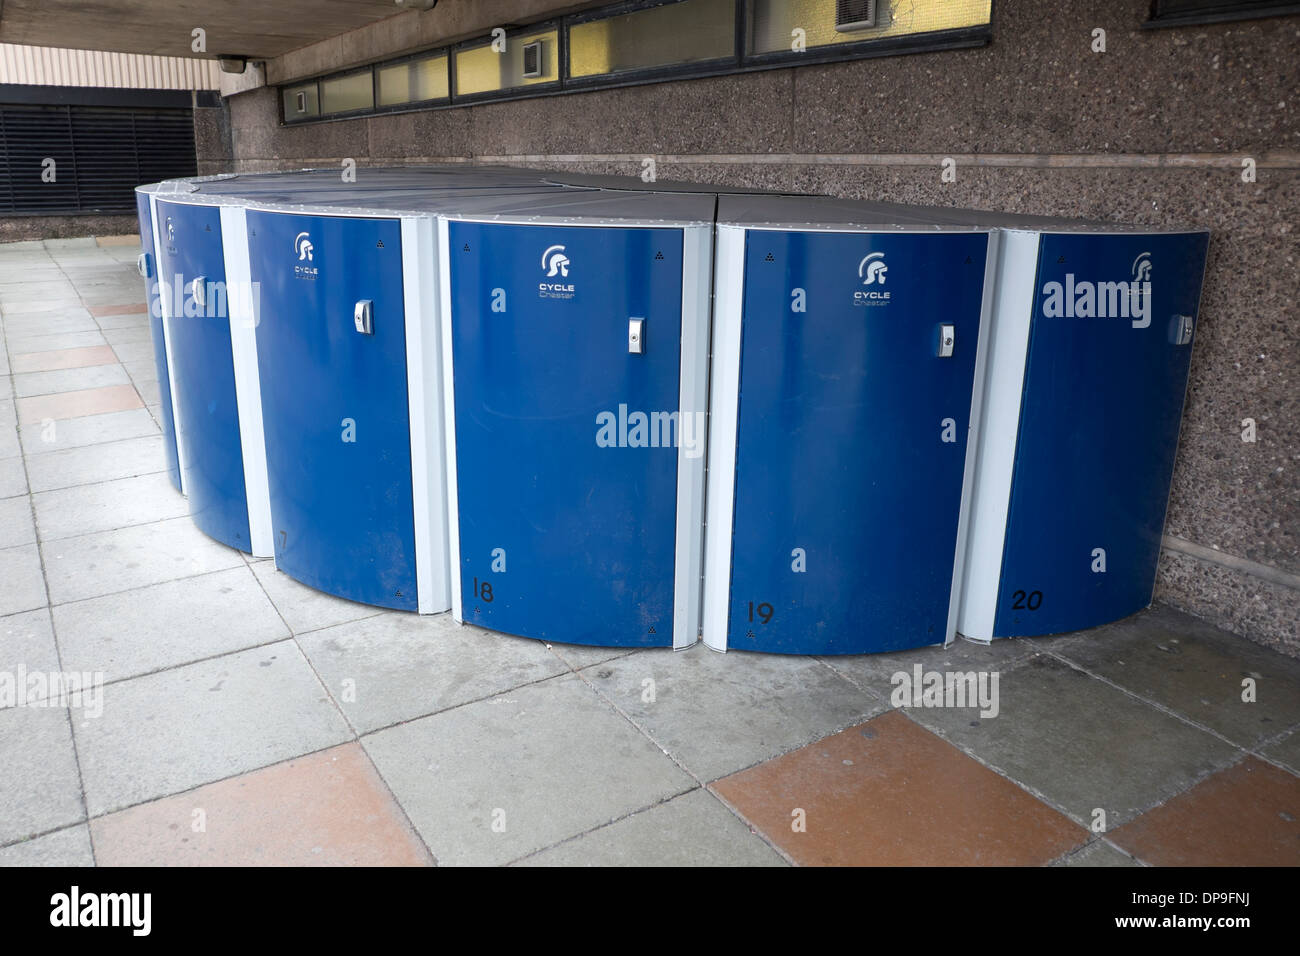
(851, 442)
(1100, 411)
(567, 532)
(213, 461)
(145, 214)
(334, 404)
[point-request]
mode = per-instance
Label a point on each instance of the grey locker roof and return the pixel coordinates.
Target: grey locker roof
(824, 212)
(468, 191)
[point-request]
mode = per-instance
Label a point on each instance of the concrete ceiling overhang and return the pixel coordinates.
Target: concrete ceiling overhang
(254, 28)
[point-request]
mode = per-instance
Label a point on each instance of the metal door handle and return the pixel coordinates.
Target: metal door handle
(363, 317)
(199, 289)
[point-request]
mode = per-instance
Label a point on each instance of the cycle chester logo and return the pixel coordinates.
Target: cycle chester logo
(873, 271)
(305, 251)
(555, 266)
(1075, 299)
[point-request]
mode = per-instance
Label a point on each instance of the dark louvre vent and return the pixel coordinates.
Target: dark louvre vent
(855, 15)
(533, 59)
(100, 154)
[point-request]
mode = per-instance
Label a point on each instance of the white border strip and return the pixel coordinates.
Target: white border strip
(424, 395)
(165, 303)
(729, 272)
(693, 400)
(242, 303)
(449, 419)
(973, 432)
(1004, 379)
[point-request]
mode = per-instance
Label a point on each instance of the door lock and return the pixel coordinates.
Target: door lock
(636, 336)
(363, 317)
(947, 335)
(1182, 329)
(142, 265)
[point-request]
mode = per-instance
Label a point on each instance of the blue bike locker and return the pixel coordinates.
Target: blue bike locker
(148, 266)
(1085, 396)
(332, 363)
(577, 386)
(192, 266)
(845, 357)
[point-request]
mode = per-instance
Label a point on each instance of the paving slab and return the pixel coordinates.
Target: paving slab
(68, 847)
(1197, 670)
(890, 793)
(120, 503)
(64, 358)
(1286, 751)
(397, 666)
(110, 561)
(694, 829)
(325, 809)
(717, 713)
(89, 430)
(1082, 743)
(1247, 815)
(16, 526)
(1097, 854)
(91, 464)
(13, 477)
(165, 625)
(305, 609)
(178, 729)
(24, 584)
(69, 380)
(876, 672)
(540, 764)
(39, 788)
(22, 344)
(76, 404)
(27, 642)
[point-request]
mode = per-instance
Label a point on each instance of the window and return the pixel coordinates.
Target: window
(347, 94)
(646, 41)
(1171, 13)
(669, 35)
(300, 102)
(777, 26)
(414, 81)
(481, 69)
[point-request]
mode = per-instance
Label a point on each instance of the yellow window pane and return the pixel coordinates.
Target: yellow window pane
(481, 69)
(345, 93)
(773, 23)
(677, 33)
(413, 81)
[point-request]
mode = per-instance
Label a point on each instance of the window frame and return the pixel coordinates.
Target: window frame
(736, 64)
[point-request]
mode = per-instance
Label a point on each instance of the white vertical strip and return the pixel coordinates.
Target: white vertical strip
(729, 278)
(693, 399)
(1013, 305)
(424, 391)
(449, 419)
(165, 301)
(973, 432)
(243, 305)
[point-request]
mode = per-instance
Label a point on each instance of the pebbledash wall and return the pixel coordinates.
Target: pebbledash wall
(1154, 130)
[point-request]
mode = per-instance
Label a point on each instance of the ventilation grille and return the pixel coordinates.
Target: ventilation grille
(854, 15)
(532, 59)
(100, 154)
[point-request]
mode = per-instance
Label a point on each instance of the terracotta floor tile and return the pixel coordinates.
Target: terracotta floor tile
(890, 793)
(89, 401)
(98, 310)
(1247, 815)
(63, 358)
(326, 809)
